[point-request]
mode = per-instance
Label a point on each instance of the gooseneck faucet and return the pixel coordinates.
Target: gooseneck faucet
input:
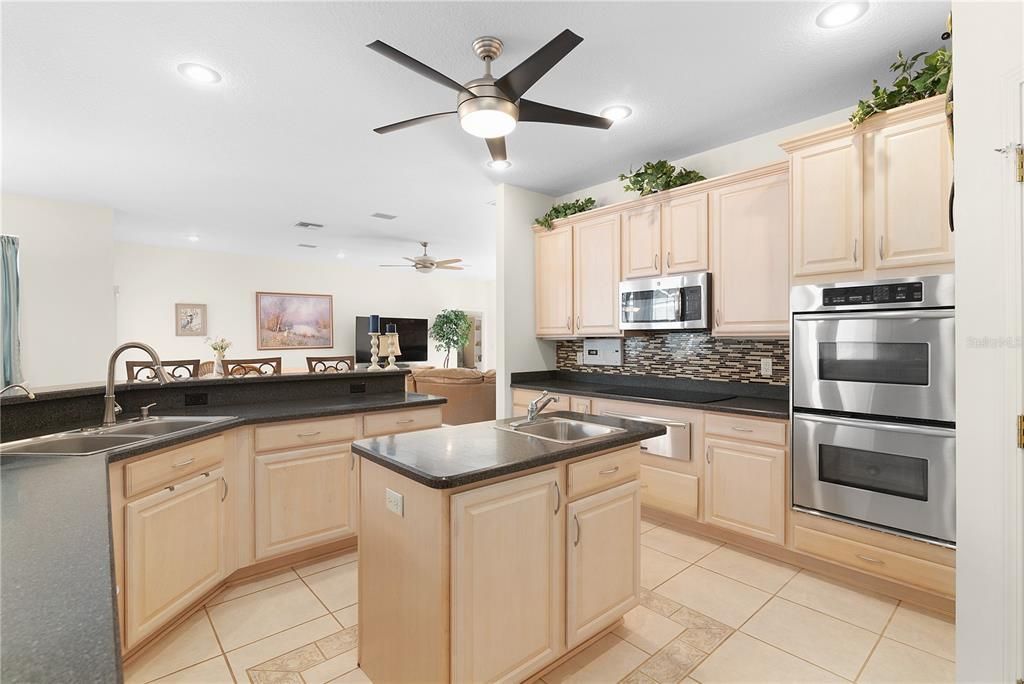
(29, 393)
(110, 407)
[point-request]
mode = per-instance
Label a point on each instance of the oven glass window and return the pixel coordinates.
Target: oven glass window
(651, 306)
(888, 363)
(893, 474)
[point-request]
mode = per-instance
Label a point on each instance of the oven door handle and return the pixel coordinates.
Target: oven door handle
(875, 425)
(905, 314)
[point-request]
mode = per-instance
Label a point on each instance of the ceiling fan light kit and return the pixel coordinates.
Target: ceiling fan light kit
(491, 108)
(425, 263)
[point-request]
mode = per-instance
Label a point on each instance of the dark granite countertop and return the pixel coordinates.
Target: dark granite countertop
(59, 618)
(759, 401)
(448, 457)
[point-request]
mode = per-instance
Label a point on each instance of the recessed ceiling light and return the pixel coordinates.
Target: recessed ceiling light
(841, 13)
(616, 112)
(198, 73)
(499, 164)
(341, 255)
(193, 238)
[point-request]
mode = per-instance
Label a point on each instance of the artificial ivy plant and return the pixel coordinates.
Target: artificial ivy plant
(565, 209)
(656, 176)
(909, 85)
(450, 330)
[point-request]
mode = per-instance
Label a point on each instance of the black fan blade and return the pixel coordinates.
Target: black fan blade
(410, 122)
(496, 146)
(416, 65)
(516, 82)
(542, 113)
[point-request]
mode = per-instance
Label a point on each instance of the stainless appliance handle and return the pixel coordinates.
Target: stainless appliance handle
(876, 425)
(903, 314)
(647, 419)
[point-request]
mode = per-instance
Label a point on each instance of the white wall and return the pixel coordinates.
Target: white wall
(987, 44)
(151, 280)
(518, 349)
(67, 295)
(744, 154)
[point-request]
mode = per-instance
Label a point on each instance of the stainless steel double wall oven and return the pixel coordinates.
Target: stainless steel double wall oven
(873, 404)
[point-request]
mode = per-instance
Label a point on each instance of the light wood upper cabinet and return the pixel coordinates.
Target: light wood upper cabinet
(641, 242)
(912, 173)
(828, 226)
(750, 257)
(303, 498)
(596, 276)
(603, 530)
(175, 551)
(684, 234)
(507, 578)
(746, 488)
(553, 282)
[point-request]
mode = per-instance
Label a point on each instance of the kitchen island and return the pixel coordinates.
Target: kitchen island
(487, 554)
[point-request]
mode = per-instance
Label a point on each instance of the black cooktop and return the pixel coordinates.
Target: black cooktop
(659, 394)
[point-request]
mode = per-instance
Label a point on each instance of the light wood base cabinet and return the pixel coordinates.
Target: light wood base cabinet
(746, 488)
(669, 491)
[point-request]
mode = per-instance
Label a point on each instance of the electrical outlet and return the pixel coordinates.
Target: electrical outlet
(766, 367)
(395, 502)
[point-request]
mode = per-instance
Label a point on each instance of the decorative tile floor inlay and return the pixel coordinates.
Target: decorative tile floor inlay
(713, 614)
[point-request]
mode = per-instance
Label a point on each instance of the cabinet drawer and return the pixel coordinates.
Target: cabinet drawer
(769, 431)
(939, 579)
(601, 472)
(392, 423)
(162, 469)
(301, 433)
(669, 491)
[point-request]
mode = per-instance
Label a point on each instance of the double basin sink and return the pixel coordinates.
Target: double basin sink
(89, 441)
(561, 430)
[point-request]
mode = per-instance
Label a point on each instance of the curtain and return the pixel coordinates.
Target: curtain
(10, 304)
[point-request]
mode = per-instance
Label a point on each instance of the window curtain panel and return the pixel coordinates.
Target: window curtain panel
(10, 305)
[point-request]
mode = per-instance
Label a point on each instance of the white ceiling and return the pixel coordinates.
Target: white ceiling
(94, 110)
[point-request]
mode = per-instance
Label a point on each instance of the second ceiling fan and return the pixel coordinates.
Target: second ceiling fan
(490, 108)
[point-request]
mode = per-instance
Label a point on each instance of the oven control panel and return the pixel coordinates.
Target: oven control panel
(895, 293)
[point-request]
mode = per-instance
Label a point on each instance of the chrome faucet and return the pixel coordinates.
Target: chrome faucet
(538, 405)
(29, 393)
(110, 407)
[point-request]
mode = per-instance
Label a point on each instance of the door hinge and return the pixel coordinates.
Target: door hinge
(1019, 165)
(1020, 438)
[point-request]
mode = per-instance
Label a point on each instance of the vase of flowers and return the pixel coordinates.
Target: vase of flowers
(219, 345)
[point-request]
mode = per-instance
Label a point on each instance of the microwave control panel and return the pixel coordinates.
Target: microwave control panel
(873, 294)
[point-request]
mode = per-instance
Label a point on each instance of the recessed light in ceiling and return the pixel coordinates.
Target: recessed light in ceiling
(616, 112)
(193, 238)
(499, 164)
(841, 13)
(198, 73)
(341, 255)
(381, 215)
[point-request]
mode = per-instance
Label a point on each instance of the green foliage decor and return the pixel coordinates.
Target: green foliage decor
(656, 176)
(450, 329)
(909, 86)
(565, 209)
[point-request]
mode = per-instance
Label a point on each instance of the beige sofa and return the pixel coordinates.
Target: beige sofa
(471, 394)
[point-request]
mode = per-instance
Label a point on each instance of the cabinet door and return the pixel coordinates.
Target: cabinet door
(596, 276)
(603, 554)
(684, 234)
(746, 488)
(553, 278)
(507, 578)
(912, 176)
(175, 551)
(828, 226)
(641, 242)
(302, 498)
(669, 491)
(580, 405)
(750, 255)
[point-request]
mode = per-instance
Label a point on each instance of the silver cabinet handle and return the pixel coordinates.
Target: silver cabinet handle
(568, 322)
(854, 250)
(643, 448)
(578, 326)
(654, 261)
(869, 559)
(558, 499)
(307, 434)
(405, 421)
(182, 464)
(668, 259)
(609, 471)
(718, 317)
(657, 261)
(707, 454)
(225, 489)
(742, 429)
(352, 462)
(644, 486)
(579, 531)
(881, 254)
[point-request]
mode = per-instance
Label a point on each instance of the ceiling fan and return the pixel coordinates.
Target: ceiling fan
(490, 108)
(426, 263)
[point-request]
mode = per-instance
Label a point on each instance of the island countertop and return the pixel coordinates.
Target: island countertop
(453, 456)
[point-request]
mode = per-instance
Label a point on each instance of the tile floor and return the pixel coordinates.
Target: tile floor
(710, 613)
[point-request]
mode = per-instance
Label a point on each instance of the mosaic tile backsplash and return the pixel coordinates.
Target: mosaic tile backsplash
(697, 356)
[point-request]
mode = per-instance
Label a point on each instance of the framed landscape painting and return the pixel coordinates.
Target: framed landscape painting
(294, 321)
(190, 320)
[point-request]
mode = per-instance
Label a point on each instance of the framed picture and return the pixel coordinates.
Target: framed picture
(190, 320)
(294, 321)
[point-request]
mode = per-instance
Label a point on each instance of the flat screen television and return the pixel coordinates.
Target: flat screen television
(412, 338)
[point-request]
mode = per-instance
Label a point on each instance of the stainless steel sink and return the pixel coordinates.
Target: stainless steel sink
(561, 430)
(89, 441)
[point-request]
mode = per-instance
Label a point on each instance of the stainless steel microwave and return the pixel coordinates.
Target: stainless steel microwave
(681, 302)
